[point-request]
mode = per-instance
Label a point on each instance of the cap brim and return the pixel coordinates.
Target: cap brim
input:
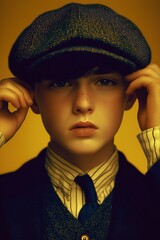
(74, 59)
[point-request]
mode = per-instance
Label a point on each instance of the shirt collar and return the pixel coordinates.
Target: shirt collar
(62, 173)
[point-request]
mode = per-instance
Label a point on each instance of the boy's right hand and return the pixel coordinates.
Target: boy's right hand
(18, 94)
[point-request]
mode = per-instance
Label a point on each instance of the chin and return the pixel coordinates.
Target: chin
(84, 149)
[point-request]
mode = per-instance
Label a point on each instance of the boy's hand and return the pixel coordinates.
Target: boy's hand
(12, 91)
(145, 83)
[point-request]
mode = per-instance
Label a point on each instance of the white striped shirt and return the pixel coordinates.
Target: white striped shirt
(62, 175)
(150, 142)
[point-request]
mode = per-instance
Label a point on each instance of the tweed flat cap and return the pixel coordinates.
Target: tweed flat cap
(79, 33)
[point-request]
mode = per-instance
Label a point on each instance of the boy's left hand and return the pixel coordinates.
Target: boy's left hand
(145, 83)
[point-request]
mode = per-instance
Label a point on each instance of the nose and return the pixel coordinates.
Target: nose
(83, 100)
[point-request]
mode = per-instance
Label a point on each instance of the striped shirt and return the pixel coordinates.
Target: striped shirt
(62, 175)
(150, 142)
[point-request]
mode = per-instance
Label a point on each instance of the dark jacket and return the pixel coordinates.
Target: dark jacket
(26, 192)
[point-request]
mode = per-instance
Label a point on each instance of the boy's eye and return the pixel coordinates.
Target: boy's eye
(60, 84)
(105, 82)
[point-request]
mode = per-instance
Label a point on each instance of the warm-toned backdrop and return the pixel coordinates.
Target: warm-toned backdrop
(15, 15)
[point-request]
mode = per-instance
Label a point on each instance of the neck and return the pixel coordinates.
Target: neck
(84, 161)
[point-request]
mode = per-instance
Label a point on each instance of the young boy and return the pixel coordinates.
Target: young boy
(81, 67)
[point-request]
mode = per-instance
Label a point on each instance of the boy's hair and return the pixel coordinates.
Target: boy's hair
(78, 37)
(73, 66)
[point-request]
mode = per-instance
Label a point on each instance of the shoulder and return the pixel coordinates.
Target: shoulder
(130, 177)
(24, 178)
(128, 170)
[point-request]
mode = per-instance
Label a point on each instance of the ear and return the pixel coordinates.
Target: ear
(35, 107)
(130, 101)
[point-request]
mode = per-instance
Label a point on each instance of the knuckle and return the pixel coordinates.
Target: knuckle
(154, 65)
(5, 83)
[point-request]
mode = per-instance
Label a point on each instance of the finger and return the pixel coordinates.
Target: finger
(26, 89)
(151, 70)
(155, 67)
(19, 82)
(23, 93)
(141, 82)
(142, 98)
(14, 89)
(8, 96)
(11, 121)
(20, 115)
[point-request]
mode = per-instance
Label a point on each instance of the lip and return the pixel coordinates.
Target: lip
(83, 129)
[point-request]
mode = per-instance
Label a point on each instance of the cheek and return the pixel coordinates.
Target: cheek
(112, 111)
(53, 115)
(117, 108)
(113, 103)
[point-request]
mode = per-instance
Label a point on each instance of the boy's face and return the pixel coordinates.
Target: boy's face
(82, 115)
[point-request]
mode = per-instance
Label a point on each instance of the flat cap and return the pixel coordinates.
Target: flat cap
(78, 33)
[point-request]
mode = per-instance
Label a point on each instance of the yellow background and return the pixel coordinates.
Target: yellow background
(15, 15)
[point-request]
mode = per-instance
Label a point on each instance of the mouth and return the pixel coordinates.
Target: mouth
(83, 129)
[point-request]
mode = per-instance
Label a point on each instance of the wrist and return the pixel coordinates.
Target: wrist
(150, 142)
